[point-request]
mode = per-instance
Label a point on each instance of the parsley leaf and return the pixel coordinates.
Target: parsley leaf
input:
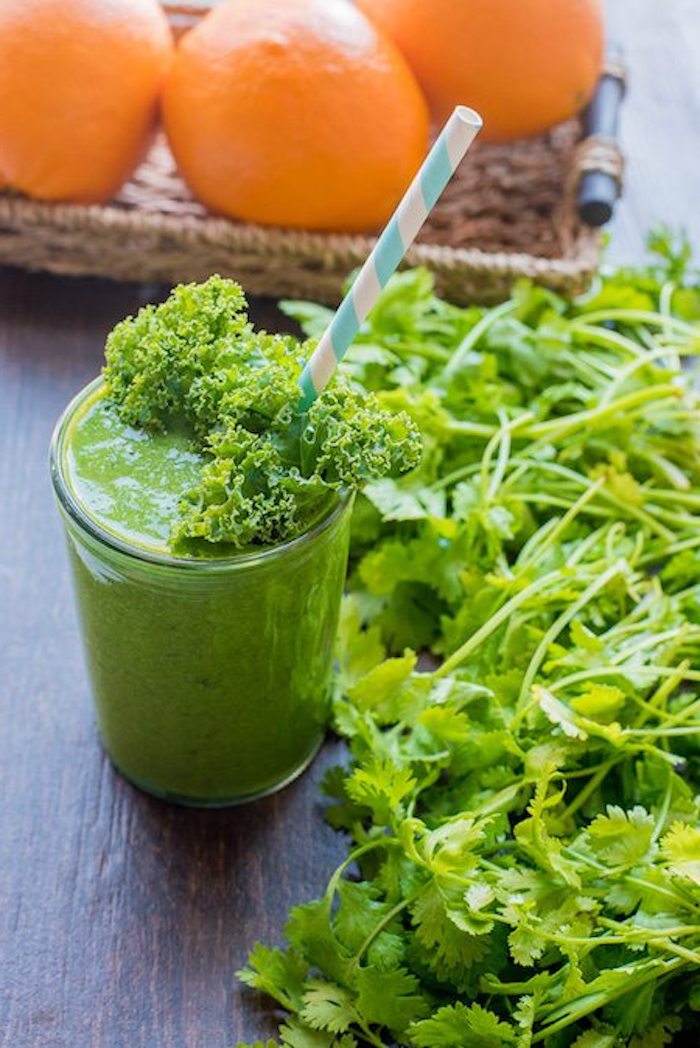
(523, 818)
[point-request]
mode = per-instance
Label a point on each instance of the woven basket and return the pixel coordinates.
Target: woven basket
(508, 213)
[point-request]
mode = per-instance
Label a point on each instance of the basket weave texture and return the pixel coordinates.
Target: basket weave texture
(509, 212)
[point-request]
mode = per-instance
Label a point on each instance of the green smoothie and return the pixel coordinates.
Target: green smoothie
(211, 676)
(207, 515)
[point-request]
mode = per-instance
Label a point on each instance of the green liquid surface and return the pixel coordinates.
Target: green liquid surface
(128, 480)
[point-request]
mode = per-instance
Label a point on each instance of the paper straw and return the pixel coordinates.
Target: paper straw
(402, 229)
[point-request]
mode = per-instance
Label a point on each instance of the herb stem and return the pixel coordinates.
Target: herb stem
(556, 428)
(355, 854)
(561, 526)
(640, 316)
(472, 339)
(589, 789)
(578, 1009)
(563, 620)
(385, 921)
(496, 620)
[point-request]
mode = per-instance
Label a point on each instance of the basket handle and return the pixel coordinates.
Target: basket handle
(599, 163)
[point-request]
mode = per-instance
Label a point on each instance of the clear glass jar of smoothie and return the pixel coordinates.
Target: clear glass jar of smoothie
(211, 674)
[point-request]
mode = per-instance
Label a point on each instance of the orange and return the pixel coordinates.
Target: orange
(297, 113)
(524, 64)
(79, 85)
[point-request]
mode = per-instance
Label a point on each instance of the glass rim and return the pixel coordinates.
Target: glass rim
(78, 513)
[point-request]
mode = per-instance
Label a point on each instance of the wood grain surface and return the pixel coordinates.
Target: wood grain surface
(122, 919)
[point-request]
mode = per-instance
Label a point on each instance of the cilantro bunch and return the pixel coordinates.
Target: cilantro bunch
(522, 817)
(269, 468)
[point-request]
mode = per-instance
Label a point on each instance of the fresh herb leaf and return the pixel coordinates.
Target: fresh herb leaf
(524, 822)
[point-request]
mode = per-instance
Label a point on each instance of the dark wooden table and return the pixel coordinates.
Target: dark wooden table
(122, 919)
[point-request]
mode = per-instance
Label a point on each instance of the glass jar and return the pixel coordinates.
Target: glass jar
(211, 677)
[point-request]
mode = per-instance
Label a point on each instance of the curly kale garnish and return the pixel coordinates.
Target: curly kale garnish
(269, 467)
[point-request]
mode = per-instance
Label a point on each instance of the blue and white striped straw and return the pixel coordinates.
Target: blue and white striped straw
(421, 196)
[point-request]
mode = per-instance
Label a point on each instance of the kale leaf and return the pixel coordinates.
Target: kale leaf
(270, 468)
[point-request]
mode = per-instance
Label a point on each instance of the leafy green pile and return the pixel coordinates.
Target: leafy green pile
(269, 467)
(524, 866)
